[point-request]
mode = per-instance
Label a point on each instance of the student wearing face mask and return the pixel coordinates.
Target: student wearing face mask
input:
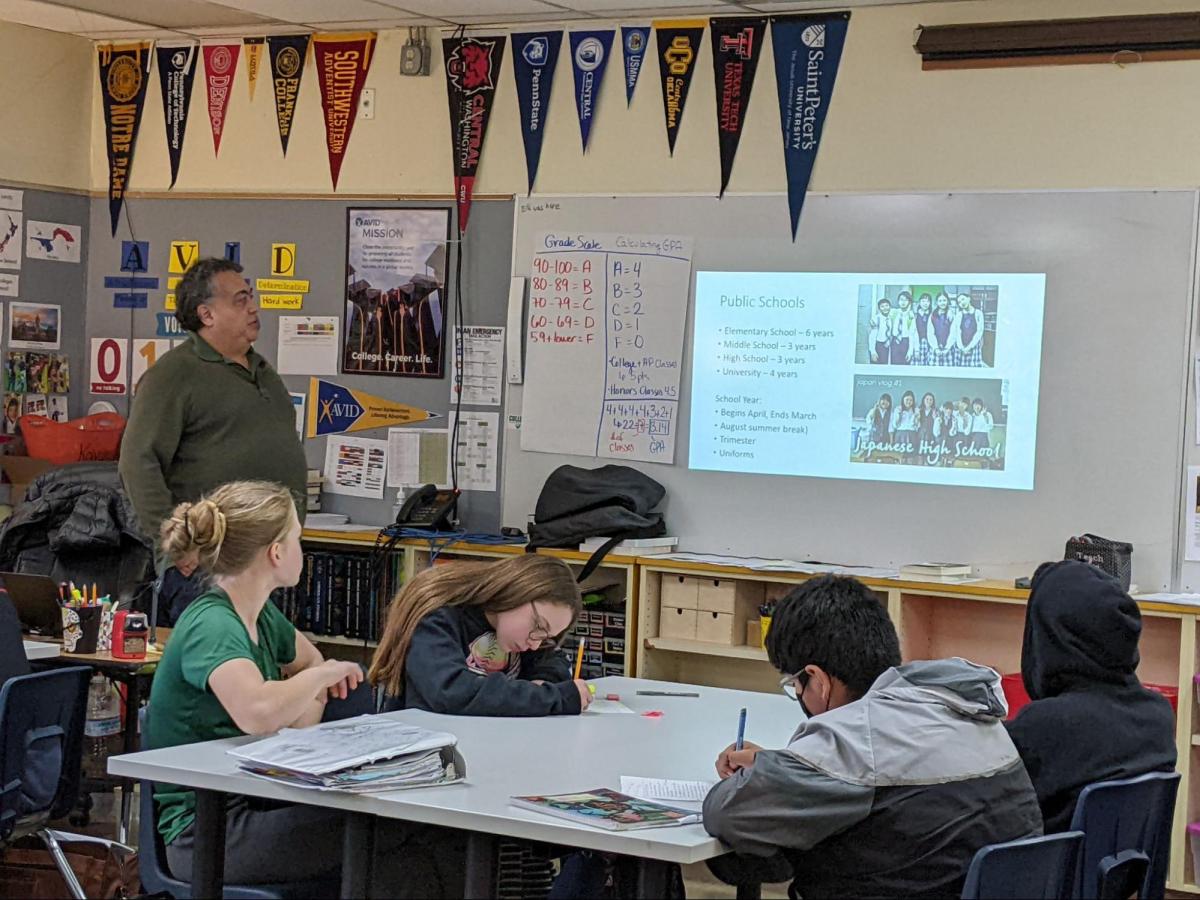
(854, 805)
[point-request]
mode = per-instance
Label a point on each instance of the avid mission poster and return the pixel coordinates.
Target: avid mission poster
(395, 316)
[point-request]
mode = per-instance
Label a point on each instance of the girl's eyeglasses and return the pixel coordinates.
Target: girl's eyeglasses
(540, 632)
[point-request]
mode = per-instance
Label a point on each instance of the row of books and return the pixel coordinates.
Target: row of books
(343, 594)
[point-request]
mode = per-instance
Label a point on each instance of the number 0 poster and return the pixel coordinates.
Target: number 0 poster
(395, 317)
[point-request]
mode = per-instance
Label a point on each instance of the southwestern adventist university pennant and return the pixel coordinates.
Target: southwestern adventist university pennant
(342, 61)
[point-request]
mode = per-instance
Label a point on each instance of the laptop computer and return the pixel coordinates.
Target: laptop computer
(36, 600)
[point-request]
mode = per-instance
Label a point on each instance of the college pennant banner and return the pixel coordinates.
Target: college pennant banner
(678, 47)
(286, 54)
(334, 409)
(634, 39)
(589, 59)
(342, 61)
(807, 52)
(472, 72)
(124, 71)
(736, 45)
(176, 73)
(220, 63)
(254, 49)
(535, 57)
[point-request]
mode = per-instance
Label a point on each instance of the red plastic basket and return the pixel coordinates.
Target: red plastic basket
(1014, 693)
(92, 437)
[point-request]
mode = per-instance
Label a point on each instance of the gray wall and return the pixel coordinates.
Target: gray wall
(318, 228)
(60, 283)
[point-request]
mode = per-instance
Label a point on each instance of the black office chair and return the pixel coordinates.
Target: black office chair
(41, 746)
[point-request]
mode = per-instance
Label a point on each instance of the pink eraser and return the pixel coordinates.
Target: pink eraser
(612, 696)
(653, 714)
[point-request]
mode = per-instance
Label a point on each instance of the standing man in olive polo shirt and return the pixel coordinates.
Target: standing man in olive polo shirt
(210, 411)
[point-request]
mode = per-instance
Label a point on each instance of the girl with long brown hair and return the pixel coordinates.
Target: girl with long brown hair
(480, 639)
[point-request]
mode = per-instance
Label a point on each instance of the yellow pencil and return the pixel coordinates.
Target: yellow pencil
(579, 657)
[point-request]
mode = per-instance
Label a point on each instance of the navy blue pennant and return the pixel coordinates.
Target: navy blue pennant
(634, 39)
(808, 50)
(589, 59)
(535, 56)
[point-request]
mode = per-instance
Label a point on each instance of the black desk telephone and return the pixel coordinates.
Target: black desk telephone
(429, 508)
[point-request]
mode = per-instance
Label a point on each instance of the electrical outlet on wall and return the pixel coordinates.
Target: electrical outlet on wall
(366, 104)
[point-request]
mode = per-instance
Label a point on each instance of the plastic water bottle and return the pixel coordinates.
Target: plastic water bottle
(103, 716)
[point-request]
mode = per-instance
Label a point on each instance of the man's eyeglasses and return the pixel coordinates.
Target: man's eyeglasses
(794, 685)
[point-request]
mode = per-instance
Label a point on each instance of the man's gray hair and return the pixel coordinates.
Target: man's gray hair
(195, 288)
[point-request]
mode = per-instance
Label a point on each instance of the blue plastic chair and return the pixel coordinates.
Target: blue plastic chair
(1038, 868)
(157, 878)
(1130, 814)
(41, 746)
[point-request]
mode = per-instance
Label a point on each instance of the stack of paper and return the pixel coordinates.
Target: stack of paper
(367, 753)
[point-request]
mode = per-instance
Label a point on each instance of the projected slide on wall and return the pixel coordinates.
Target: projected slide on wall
(919, 377)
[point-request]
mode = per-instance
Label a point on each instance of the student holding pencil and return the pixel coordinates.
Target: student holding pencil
(480, 639)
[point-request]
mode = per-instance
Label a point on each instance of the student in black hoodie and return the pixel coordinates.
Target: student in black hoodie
(480, 638)
(1090, 719)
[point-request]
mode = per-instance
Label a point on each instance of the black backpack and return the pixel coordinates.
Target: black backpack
(616, 502)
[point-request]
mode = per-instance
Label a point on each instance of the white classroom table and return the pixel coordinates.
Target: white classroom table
(506, 757)
(40, 650)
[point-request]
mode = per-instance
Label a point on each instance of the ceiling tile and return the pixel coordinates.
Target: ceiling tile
(173, 14)
(52, 17)
(624, 6)
(236, 31)
(313, 10)
(494, 10)
(399, 20)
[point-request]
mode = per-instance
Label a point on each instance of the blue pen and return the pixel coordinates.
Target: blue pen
(741, 739)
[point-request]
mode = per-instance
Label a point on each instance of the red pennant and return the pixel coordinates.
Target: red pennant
(220, 62)
(343, 61)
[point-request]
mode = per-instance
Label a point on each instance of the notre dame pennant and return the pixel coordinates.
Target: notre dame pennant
(124, 71)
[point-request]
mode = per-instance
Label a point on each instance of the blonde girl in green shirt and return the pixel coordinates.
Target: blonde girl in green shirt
(234, 665)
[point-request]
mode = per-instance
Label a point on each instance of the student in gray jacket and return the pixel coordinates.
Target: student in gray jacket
(895, 778)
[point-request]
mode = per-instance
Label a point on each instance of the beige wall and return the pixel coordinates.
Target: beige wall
(892, 127)
(45, 103)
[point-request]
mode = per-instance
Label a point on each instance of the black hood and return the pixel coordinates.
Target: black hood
(1081, 629)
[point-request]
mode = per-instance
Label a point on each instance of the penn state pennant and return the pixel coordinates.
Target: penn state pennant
(678, 47)
(634, 39)
(472, 72)
(176, 74)
(808, 50)
(736, 45)
(535, 57)
(220, 64)
(254, 49)
(589, 59)
(286, 54)
(124, 71)
(342, 62)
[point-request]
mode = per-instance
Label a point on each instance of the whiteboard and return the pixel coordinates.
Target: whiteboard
(1119, 289)
(604, 331)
